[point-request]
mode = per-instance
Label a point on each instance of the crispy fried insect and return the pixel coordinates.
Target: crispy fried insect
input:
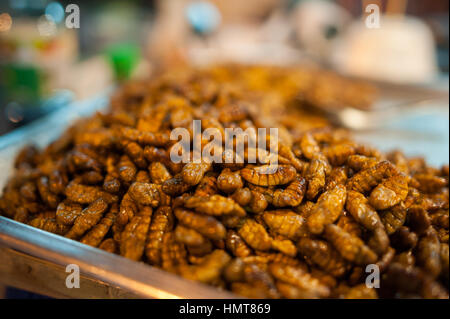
(229, 181)
(215, 205)
(286, 151)
(188, 236)
(322, 254)
(429, 183)
(111, 182)
(368, 178)
(145, 193)
(242, 196)
(236, 245)
(91, 178)
(207, 185)
(258, 202)
(260, 279)
(49, 224)
(361, 162)
(136, 153)
(339, 153)
(234, 271)
(84, 194)
(210, 270)
(81, 159)
(286, 223)
(350, 247)
(44, 191)
(57, 181)
(404, 239)
(284, 246)
(173, 254)
(358, 206)
(144, 137)
(192, 173)
(162, 223)
(418, 219)
(310, 287)
(208, 226)
(159, 173)
(109, 245)
(127, 169)
(386, 259)
(315, 175)
(99, 231)
(379, 241)
(309, 146)
(292, 195)
(67, 213)
(132, 241)
(175, 186)
(87, 219)
(361, 292)
(327, 210)
(269, 175)
(338, 176)
(428, 253)
(255, 235)
(348, 223)
(154, 154)
(389, 193)
(393, 218)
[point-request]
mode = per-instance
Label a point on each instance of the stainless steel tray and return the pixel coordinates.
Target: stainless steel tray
(36, 260)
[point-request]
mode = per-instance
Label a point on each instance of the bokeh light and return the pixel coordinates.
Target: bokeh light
(5, 22)
(203, 16)
(46, 26)
(56, 11)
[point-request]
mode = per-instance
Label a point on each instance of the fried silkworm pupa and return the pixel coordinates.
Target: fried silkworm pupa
(379, 240)
(192, 173)
(145, 194)
(188, 236)
(242, 196)
(95, 236)
(46, 195)
(315, 175)
(350, 247)
(295, 276)
(255, 235)
(258, 202)
(173, 254)
(49, 224)
(429, 183)
(143, 137)
(210, 270)
(418, 219)
(57, 181)
(109, 245)
(207, 185)
(348, 223)
(175, 186)
(260, 279)
(428, 253)
(394, 218)
(286, 223)
(83, 194)
(269, 175)
(309, 146)
(208, 226)
(323, 255)
(127, 169)
(292, 195)
(338, 176)
(404, 239)
(162, 223)
(136, 153)
(358, 206)
(229, 181)
(389, 193)
(234, 271)
(215, 205)
(236, 245)
(361, 162)
(367, 179)
(67, 213)
(159, 173)
(132, 241)
(87, 219)
(338, 154)
(327, 210)
(284, 246)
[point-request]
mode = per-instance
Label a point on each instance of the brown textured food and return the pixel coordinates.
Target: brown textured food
(305, 228)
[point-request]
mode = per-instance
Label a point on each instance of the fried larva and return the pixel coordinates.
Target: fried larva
(255, 235)
(215, 205)
(205, 225)
(268, 175)
(286, 223)
(89, 217)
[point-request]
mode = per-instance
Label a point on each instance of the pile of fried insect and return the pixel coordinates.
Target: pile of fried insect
(307, 230)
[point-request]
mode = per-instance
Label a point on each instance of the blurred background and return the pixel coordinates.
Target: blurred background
(52, 53)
